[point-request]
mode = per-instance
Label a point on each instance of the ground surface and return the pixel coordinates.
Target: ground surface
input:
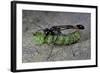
(35, 20)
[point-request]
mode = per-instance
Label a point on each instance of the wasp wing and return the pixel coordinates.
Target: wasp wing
(63, 27)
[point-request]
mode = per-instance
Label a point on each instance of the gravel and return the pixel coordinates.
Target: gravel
(35, 20)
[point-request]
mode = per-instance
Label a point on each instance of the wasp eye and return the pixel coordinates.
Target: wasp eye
(80, 26)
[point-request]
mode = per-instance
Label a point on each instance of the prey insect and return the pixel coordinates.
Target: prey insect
(54, 35)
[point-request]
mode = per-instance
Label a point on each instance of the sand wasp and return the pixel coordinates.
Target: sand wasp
(54, 35)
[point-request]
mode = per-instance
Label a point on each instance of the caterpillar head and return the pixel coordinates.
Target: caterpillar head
(81, 27)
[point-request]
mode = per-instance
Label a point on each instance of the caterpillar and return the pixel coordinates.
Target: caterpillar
(71, 38)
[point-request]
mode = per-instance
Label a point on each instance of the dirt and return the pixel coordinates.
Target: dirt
(35, 20)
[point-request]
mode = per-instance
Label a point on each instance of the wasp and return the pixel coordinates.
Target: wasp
(54, 35)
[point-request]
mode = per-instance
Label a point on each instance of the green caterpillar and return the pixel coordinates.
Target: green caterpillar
(39, 38)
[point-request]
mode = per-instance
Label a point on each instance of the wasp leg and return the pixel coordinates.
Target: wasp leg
(50, 54)
(57, 35)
